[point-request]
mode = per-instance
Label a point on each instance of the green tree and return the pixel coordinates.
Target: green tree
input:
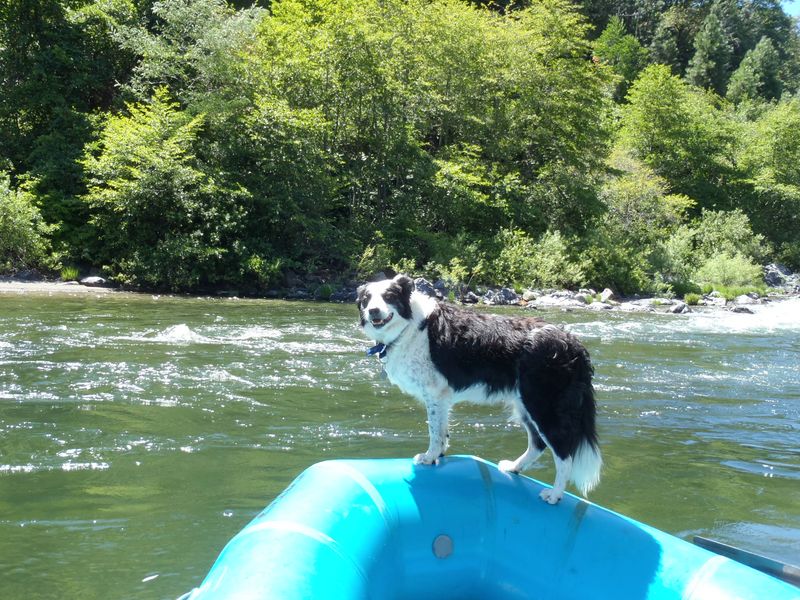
(58, 64)
(543, 263)
(622, 52)
(434, 107)
(162, 222)
(728, 232)
(673, 40)
(197, 49)
(678, 132)
(769, 154)
(710, 66)
(757, 75)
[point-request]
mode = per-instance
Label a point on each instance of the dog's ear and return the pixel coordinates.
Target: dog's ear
(360, 294)
(406, 284)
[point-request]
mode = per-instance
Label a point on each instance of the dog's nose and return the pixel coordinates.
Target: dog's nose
(374, 312)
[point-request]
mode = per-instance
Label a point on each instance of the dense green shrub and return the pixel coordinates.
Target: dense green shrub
(729, 270)
(608, 260)
(728, 232)
(163, 222)
(674, 258)
(692, 298)
(24, 236)
(543, 263)
(69, 273)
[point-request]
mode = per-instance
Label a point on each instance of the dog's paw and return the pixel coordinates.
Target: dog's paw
(550, 496)
(508, 466)
(425, 458)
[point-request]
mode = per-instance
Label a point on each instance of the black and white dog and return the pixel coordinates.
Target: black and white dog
(442, 354)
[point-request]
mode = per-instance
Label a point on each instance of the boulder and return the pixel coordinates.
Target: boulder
(501, 297)
(715, 299)
(441, 289)
(777, 275)
(608, 296)
(93, 281)
(298, 294)
(346, 294)
(636, 306)
(562, 299)
(745, 299)
(424, 286)
(29, 275)
(680, 308)
(740, 309)
(599, 306)
(470, 298)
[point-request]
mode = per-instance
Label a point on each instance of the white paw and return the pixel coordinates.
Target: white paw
(425, 458)
(550, 496)
(508, 466)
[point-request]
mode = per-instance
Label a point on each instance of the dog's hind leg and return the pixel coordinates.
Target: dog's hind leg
(563, 472)
(535, 448)
(438, 416)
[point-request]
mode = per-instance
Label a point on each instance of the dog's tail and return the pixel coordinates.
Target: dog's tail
(586, 465)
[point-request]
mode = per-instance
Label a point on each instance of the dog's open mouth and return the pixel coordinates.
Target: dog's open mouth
(378, 323)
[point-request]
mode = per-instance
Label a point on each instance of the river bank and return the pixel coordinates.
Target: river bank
(567, 300)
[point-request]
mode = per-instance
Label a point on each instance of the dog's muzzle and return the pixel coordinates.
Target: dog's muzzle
(378, 323)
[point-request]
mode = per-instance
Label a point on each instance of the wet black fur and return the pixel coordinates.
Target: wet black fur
(552, 369)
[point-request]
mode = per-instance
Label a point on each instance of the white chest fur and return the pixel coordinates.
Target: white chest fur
(408, 365)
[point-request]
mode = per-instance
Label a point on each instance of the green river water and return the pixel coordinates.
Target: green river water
(138, 433)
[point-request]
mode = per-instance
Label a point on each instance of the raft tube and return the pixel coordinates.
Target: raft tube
(381, 529)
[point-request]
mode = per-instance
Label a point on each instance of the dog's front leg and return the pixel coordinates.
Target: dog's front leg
(438, 415)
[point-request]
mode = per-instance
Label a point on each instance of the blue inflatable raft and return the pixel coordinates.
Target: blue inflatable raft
(383, 529)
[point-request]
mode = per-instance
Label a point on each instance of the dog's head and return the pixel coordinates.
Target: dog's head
(385, 307)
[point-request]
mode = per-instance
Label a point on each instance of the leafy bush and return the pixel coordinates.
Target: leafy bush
(543, 263)
(24, 242)
(622, 52)
(728, 232)
(69, 273)
(608, 259)
(729, 270)
(376, 257)
(789, 254)
(674, 258)
(692, 299)
(163, 220)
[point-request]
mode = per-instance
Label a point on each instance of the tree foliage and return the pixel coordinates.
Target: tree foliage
(622, 52)
(24, 236)
(757, 76)
(201, 144)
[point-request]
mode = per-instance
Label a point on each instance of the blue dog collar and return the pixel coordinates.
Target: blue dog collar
(379, 349)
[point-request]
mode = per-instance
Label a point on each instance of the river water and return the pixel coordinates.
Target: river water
(138, 433)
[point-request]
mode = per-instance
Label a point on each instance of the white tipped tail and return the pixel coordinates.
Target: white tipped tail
(586, 465)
